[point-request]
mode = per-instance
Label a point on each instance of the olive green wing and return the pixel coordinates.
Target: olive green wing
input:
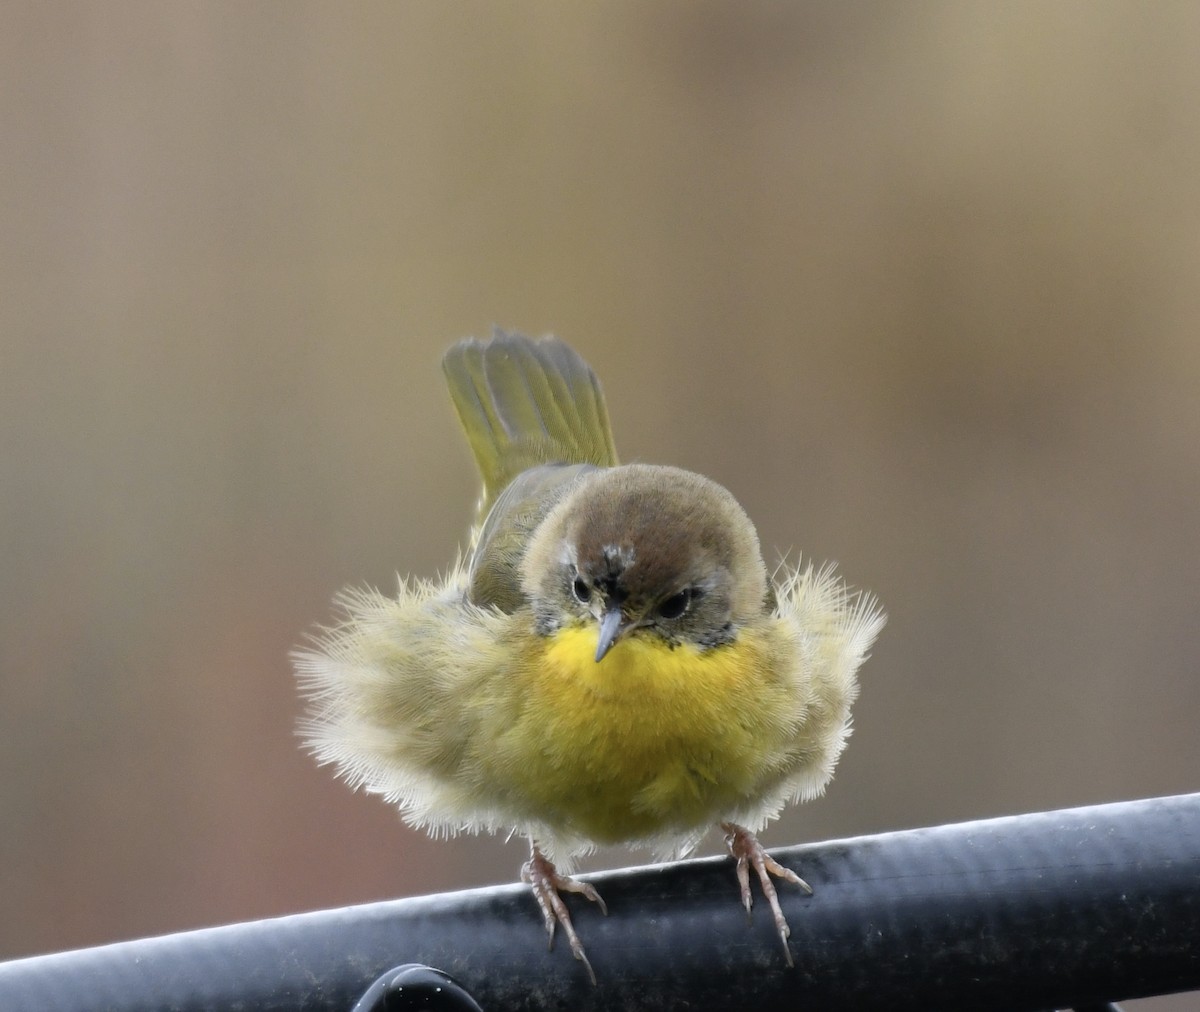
(494, 565)
(524, 403)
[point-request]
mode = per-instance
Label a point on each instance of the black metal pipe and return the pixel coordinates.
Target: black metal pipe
(1037, 911)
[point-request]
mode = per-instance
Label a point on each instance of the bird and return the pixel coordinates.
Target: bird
(609, 661)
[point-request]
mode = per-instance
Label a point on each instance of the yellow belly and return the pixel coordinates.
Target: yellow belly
(650, 740)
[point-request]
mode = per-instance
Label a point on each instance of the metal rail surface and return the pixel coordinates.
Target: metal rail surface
(1050, 910)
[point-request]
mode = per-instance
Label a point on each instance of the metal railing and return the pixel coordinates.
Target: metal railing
(1073, 908)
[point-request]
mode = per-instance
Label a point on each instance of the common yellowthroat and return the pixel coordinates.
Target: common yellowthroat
(609, 663)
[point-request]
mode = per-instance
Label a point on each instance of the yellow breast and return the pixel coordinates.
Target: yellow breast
(652, 739)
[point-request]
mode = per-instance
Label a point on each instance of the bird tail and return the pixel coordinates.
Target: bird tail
(523, 403)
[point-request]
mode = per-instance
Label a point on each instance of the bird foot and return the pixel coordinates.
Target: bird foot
(543, 877)
(747, 851)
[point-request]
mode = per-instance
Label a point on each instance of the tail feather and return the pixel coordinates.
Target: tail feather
(523, 403)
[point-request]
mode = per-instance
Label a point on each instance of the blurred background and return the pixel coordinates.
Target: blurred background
(919, 284)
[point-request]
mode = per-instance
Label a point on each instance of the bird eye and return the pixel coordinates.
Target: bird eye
(582, 592)
(676, 605)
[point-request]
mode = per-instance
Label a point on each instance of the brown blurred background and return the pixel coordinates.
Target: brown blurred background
(919, 283)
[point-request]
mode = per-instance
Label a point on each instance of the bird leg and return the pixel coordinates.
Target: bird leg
(747, 851)
(545, 880)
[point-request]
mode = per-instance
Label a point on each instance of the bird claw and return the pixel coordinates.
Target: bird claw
(539, 872)
(747, 851)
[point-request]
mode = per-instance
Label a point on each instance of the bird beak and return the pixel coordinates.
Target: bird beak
(611, 629)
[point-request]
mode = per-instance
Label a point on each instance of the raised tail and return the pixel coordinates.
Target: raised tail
(523, 403)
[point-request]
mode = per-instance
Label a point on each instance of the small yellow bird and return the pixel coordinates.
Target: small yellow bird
(609, 663)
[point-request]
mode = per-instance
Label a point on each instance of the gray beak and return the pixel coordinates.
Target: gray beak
(611, 628)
